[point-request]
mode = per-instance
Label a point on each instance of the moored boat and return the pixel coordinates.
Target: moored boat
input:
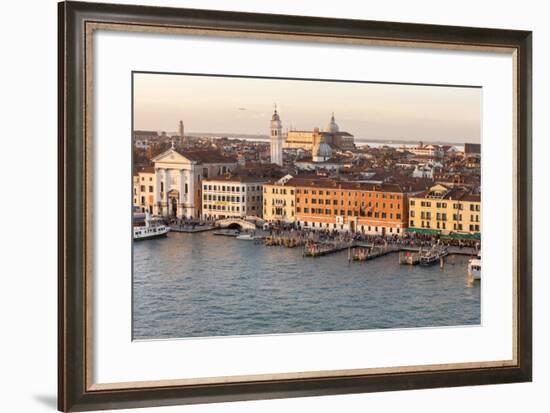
(409, 258)
(227, 232)
(474, 268)
(248, 236)
(153, 228)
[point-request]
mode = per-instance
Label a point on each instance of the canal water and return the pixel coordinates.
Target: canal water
(196, 285)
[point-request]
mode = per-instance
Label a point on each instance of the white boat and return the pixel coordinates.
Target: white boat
(227, 232)
(152, 229)
(432, 256)
(247, 237)
(474, 268)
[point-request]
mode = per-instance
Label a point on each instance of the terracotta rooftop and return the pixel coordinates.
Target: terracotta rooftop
(207, 156)
(472, 198)
(328, 183)
(144, 169)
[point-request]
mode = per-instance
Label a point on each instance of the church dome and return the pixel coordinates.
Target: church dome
(275, 116)
(321, 152)
(332, 126)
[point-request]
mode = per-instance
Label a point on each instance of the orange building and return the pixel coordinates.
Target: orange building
(323, 203)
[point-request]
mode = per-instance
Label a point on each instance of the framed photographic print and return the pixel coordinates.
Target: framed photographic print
(262, 206)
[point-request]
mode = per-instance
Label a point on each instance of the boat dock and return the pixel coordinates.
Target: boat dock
(368, 253)
(191, 229)
(318, 249)
(361, 251)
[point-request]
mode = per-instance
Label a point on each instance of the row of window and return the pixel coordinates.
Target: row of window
(229, 208)
(142, 189)
(349, 212)
(278, 211)
(355, 193)
(231, 198)
(441, 216)
(428, 204)
(281, 191)
(279, 202)
(440, 225)
(231, 188)
(355, 203)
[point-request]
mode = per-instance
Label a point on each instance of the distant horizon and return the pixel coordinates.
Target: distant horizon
(369, 111)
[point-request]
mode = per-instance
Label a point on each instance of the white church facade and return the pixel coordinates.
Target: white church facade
(277, 139)
(178, 177)
(315, 141)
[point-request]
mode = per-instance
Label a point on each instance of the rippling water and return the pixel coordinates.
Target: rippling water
(193, 285)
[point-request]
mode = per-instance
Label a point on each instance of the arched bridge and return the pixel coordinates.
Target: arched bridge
(236, 222)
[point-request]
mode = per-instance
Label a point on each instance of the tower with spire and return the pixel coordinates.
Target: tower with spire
(276, 139)
(332, 126)
(180, 131)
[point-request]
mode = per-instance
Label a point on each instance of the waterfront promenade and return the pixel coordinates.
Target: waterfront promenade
(200, 284)
(320, 243)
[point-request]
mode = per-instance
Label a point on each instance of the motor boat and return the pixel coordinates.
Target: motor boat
(153, 228)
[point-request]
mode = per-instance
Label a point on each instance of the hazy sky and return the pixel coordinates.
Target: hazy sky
(366, 110)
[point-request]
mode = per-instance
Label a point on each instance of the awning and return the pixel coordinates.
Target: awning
(463, 236)
(424, 231)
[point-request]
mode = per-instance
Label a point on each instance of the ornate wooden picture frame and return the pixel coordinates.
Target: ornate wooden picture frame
(77, 22)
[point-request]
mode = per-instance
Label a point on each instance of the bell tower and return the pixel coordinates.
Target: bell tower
(276, 139)
(180, 129)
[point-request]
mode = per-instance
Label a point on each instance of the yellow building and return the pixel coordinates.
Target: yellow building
(144, 189)
(279, 201)
(445, 210)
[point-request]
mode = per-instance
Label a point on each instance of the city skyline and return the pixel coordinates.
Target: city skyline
(236, 105)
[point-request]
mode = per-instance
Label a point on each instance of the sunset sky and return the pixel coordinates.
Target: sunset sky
(366, 110)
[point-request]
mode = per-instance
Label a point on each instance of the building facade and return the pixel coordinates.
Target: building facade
(430, 150)
(423, 171)
(326, 204)
(331, 135)
(279, 201)
(232, 197)
(446, 210)
(144, 189)
(178, 178)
